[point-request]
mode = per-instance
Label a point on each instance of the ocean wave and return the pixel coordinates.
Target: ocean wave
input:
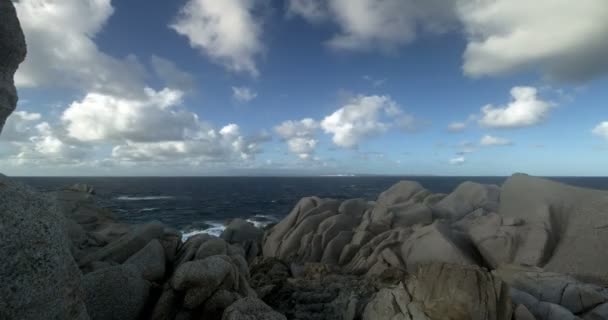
(148, 209)
(214, 229)
(144, 198)
(261, 220)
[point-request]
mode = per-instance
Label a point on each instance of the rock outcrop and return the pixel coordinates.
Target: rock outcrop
(12, 53)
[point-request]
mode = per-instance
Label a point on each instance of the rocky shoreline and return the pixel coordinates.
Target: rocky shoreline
(530, 249)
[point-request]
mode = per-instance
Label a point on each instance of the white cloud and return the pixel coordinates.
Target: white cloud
(601, 130)
(489, 140)
(61, 50)
(102, 117)
(358, 119)
(312, 10)
(457, 161)
(225, 30)
(243, 94)
(526, 109)
(20, 126)
(457, 126)
(173, 76)
(377, 24)
(300, 136)
(563, 39)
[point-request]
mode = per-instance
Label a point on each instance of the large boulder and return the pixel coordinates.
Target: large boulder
(246, 235)
(117, 292)
(150, 261)
(127, 245)
(449, 291)
(468, 197)
(12, 53)
(568, 225)
(38, 274)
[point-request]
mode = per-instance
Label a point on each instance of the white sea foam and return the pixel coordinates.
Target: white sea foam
(261, 220)
(148, 209)
(215, 229)
(145, 198)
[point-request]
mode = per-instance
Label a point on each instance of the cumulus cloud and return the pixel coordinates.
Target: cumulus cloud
(489, 140)
(226, 144)
(171, 74)
(564, 40)
(243, 94)
(226, 31)
(20, 126)
(61, 50)
(102, 117)
(365, 116)
(601, 130)
(525, 109)
(377, 24)
(457, 161)
(300, 136)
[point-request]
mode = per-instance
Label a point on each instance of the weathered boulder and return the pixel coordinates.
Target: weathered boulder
(435, 243)
(467, 197)
(117, 292)
(246, 235)
(150, 261)
(38, 274)
(450, 291)
(12, 53)
(127, 245)
(522, 313)
(402, 191)
(251, 309)
(389, 304)
(598, 313)
(571, 221)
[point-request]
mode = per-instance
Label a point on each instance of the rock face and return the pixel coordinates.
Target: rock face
(38, 274)
(12, 53)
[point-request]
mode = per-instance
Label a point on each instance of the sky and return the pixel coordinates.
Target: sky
(310, 87)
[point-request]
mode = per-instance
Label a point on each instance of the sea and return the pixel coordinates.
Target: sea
(196, 205)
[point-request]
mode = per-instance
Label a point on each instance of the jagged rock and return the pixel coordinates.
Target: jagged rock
(389, 304)
(127, 245)
(117, 292)
(467, 197)
(458, 291)
(435, 243)
(268, 275)
(12, 53)
(38, 274)
(371, 254)
(251, 309)
(571, 221)
(150, 261)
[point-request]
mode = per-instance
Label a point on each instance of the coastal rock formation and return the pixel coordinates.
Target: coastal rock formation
(12, 53)
(37, 272)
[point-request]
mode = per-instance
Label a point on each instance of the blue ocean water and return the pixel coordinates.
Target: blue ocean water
(203, 204)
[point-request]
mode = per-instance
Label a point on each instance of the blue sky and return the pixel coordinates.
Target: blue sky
(202, 87)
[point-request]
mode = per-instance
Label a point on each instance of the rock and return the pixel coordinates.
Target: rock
(434, 243)
(188, 250)
(268, 275)
(81, 187)
(400, 192)
(522, 313)
(244, 234)
(117, 292)
(540, 309)
(210, 248)
(251, 309)
(166, 306)
(354, 207)
(38, 274)
(209, 272)
(390, 304)
(553, 288)
(12, 53)
(467, 197)
(598, 313)
(460, 291)
(127, 245)
(150, 261)
(573, 220)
